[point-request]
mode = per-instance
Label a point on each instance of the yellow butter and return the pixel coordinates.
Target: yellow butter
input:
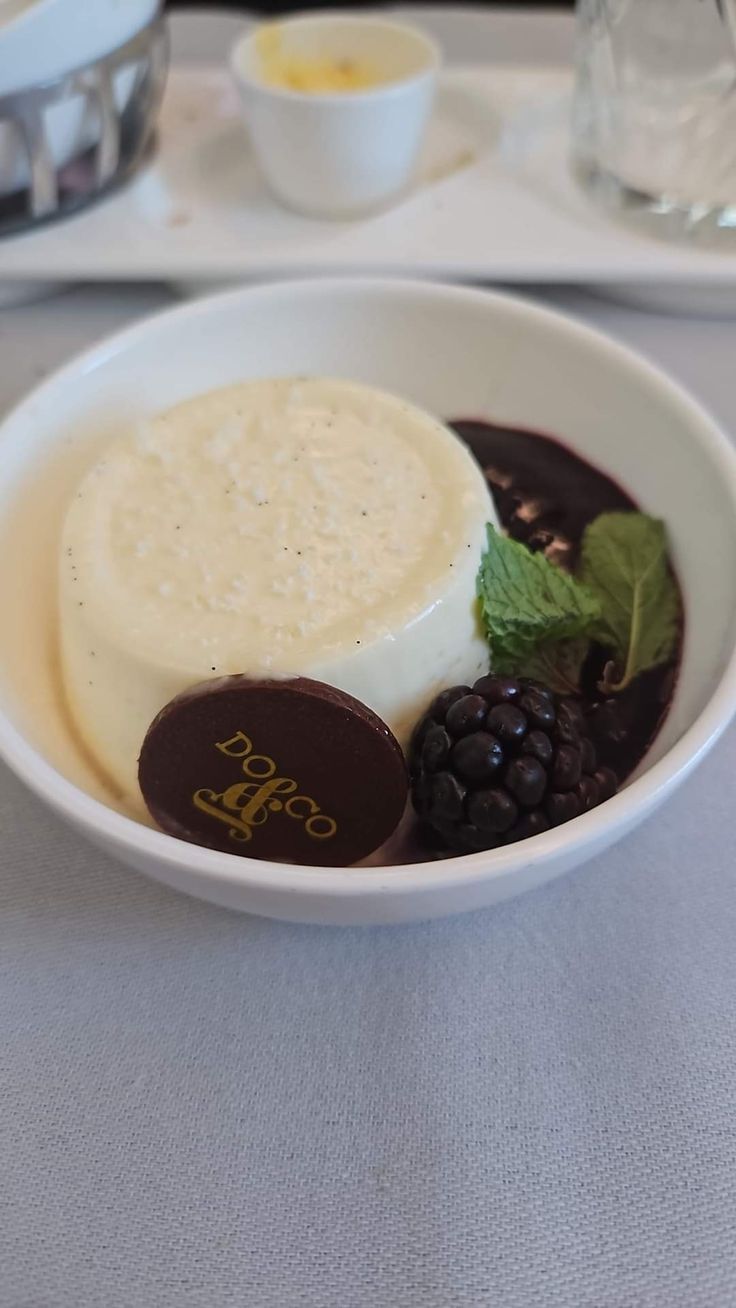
(312, 75)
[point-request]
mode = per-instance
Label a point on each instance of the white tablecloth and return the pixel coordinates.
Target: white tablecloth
(528, 1108)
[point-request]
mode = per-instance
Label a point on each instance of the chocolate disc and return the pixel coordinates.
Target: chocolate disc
(295, 771)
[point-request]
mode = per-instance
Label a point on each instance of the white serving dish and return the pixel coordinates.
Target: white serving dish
(494, 202)
(339, 155)
(44, 41)
(454, 351)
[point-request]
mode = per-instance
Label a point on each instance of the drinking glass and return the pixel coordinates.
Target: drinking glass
(654, 116)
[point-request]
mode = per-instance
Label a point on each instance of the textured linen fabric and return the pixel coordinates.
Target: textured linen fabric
(532, 1107)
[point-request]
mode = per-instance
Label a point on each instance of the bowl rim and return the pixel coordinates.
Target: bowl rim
(382, 91)
(590, 830)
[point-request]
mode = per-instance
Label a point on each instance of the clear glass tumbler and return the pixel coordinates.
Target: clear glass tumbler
(654, 116)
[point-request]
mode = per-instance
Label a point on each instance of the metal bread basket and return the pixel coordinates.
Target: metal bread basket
(120, 95)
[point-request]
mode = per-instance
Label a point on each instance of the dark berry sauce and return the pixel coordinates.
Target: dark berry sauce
(546, 496)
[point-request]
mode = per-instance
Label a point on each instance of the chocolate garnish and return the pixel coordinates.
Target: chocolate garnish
(293, 770)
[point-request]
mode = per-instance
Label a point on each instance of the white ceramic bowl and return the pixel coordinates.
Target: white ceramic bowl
(343, 154)
(41, 40)
(455, 352)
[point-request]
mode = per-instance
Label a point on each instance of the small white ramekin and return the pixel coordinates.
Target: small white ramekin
(347, 153)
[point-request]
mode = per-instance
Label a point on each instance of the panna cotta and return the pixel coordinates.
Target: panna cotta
(289, 527)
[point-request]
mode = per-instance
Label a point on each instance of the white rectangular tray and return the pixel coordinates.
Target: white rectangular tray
(495, 202)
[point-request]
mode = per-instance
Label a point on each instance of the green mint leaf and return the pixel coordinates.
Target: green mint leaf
(527, 603)
(558, 666)
(624, 563)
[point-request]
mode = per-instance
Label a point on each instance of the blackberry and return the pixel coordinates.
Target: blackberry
(503, 760)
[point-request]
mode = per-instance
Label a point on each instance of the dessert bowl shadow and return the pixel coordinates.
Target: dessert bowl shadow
(457, 353)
